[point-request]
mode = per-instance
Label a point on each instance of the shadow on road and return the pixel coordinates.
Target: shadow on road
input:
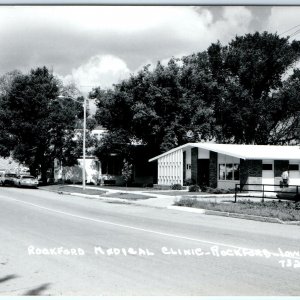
(37, 291)
(8, 277)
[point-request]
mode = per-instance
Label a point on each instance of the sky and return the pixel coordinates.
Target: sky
(101, 45)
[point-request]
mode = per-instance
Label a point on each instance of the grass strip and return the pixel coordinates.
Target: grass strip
(283, 210)
(127, 196)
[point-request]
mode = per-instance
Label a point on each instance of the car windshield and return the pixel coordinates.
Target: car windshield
(27, 177)
(11, 175)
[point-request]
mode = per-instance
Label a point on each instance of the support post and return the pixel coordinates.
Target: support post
(84, 132)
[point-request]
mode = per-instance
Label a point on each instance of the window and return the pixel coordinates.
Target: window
(229, 171)
(294, 167)
(236, 168)
(222, 171)
(267, 167)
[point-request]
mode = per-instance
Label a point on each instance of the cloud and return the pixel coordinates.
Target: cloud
(95, 45)
(100, 70)
(65, 37)
(235, 21)
(283, 19)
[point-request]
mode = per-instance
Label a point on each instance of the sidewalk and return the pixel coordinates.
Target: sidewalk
(154, 199)
(158, 200)
(106, 194)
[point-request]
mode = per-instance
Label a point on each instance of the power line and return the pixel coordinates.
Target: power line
(289, 29)
(295, 33)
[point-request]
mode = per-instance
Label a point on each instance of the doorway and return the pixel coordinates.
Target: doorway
(203, 172)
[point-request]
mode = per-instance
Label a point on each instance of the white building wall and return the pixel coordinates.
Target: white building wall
(203, 154)
(170, 168)
(294, 175)
(74, 173)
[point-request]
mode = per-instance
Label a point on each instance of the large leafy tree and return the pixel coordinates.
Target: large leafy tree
(249, 72)
(39, 126)
(158, 108)
(234, 94)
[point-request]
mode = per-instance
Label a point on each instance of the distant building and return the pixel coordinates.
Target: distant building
(108, 170)
(9, 165)
(99, 132)
(92, 164)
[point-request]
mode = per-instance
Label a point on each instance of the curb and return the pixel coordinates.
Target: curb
(234, 215)
(188, 209)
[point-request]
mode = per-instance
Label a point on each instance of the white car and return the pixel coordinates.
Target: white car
(26, 180)
(8, 179)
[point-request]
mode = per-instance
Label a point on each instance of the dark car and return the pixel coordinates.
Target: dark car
(289, 193)
(8, 178)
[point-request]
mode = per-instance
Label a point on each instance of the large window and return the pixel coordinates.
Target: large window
(229, 171)
(267, 167)
(294, 167)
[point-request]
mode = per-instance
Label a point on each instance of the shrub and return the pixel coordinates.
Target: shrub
(188, 182)
(148, 185)
(187, 202)
(176, 186)
(194, 188)
(297, 205)
(218, 191)
(204, 188)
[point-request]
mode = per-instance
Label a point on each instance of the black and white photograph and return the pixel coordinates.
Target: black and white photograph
(149, 150)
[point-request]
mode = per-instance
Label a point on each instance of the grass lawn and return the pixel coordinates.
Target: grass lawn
(73, 189)
(127, 196)
(283, 210)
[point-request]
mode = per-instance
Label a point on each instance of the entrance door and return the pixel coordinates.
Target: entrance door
(203, 172)
(268, 175)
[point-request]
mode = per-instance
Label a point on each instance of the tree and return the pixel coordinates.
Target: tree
(157, 108)
(39, 126)
(126, 171)
(6, 81)
(249, 74)
(230, 94)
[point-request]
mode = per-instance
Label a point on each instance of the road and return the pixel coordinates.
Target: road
(125, 250)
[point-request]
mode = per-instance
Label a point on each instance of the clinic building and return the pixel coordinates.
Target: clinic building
(225, 165)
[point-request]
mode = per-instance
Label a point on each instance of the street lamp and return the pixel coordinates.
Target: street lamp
(84, 132)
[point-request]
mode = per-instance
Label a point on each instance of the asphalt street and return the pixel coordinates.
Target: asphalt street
(53, 244)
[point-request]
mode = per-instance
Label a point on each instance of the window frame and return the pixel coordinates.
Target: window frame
(235, 168)
(292, 169)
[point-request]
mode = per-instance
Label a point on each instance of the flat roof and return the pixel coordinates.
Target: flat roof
(244, 151)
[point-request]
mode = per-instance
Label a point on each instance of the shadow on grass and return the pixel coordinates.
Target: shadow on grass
(38, 290)
(8, 277)
(33, 292)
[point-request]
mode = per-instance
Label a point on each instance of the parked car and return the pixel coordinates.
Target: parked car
(26, 180)
(7, 178)
(289, 193)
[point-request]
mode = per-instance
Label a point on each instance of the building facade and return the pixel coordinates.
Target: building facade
(109, 169)
(225, 165)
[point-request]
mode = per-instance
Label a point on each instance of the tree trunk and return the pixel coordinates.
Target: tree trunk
(32, 170)
(44, 173)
